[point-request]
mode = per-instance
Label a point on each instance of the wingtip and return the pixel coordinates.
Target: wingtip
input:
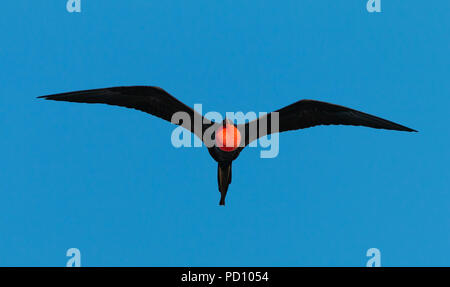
(404, 128)
(411, 130)
(48, 97)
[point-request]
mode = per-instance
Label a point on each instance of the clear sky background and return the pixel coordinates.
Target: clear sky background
(107, 180)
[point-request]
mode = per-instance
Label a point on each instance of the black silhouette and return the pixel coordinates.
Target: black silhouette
(157, 102)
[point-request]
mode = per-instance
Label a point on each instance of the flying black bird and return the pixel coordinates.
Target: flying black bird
(299, 115)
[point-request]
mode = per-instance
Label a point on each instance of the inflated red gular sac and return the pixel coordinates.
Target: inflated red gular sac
(228, 137)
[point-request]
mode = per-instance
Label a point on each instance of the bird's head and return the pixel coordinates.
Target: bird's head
(228, 137)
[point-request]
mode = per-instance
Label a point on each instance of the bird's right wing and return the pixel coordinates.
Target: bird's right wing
(310, 113)
(152, 100)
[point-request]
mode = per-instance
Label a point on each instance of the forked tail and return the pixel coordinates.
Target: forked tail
(223, 179)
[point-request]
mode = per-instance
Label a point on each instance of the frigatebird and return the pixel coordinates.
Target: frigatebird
(159, 103)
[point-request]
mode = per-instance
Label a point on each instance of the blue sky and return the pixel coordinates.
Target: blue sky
(107, 180)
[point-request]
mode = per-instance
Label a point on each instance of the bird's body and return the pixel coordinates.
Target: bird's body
(229, 139)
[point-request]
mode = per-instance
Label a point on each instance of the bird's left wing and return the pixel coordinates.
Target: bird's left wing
(310, 113)
(152, 100)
